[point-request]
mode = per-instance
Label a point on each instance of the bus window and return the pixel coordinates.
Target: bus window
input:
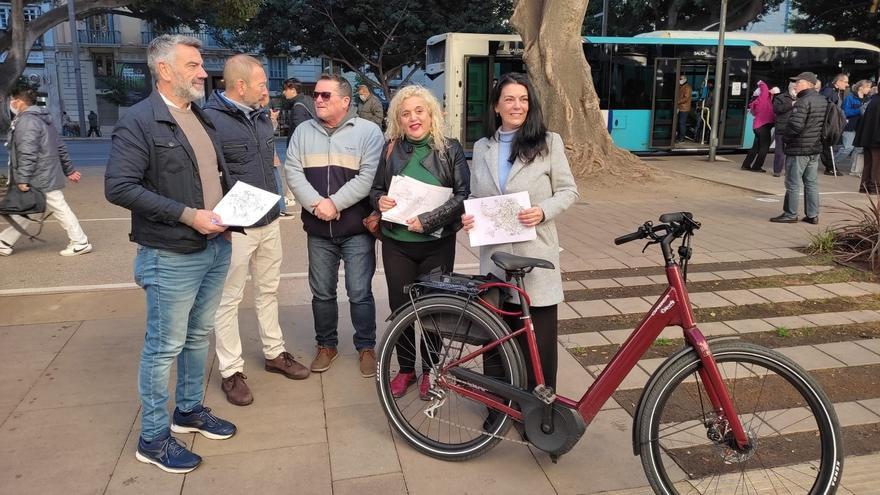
(631, 82)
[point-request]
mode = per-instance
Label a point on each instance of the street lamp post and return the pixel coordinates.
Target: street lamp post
(719, 83)
(605, 17)
(77, 70)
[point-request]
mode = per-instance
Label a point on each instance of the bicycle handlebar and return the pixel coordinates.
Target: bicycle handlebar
(673, 226)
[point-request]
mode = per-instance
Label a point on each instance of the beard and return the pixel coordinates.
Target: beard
(186, 89)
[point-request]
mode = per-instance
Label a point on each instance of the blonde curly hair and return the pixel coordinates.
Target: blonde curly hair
(395, 131)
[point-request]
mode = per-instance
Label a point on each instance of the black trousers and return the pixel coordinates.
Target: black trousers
(402, 262)
(544, 319)
(827, 158)
(756, 156)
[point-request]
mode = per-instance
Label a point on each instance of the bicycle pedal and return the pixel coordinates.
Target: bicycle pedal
(545, 394)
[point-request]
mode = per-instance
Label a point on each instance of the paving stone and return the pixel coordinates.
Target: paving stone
(758, 254)
(649, 366)
(616, 336)
(640, 262)
(634, 281)
(751, 325)
(715, 328)
(741, 297)
(853, 413)
(571, 285)
(794, 270)
(586, 339)
(629, 305)
(872, 405)
(360, 442)
(862, 316)
(860, 475)
(728, 256)
(843, 289)
(636, 378)
(565, 312)
(708, 300)
(828, 319)
(764, 272)
(777, 295)
(810, 358)
(733, 274)
(658, 279)
(702, 277)
(605, 264)
(390, 484)
(593, 308)
(867, 286)
(787, 253)
(599, 283)
(810, 292)
(850, 353)
(789, 322)
(870, 344)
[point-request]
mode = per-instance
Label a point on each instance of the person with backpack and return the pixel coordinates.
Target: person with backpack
(803, 145)
(834, 93)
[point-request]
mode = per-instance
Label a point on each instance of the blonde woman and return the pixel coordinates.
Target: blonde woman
(416, 148)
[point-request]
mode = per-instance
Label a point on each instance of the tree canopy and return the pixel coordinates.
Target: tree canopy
(376, 39)
(844, 19)
(628, 18)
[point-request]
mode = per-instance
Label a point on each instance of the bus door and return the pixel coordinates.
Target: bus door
(663, 103)
(734, 103)
(481, 75)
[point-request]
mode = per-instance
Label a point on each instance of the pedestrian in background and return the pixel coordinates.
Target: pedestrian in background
(834, 93)
(94, 128)
(167, 167)
(803, 145)
(369, 106)
(868, 138)
(245, 128)
(852, 108)
(417, 148)
(762, 109)
(39, 159)
(783, 103)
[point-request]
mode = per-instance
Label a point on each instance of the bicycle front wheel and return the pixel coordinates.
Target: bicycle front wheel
(795, 439)
(443, 423)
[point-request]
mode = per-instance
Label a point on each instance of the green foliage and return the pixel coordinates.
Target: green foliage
(195, 14)
(822, 242)
(663, 342)
(844, 19)
(783, 332)
(374, 38)
(628, 18)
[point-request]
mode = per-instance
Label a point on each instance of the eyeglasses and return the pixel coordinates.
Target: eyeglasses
(322, 94)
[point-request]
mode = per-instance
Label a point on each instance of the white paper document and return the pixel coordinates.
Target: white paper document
(495, 220)
(413, 198)
(244, 205)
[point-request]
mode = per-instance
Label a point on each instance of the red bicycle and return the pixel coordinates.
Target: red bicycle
(719, 416)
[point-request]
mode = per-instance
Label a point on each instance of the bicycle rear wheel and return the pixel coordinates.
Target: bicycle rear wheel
(450, 328)
(795, 438)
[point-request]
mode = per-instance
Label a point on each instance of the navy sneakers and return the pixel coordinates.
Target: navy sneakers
(200, 420)
(168, 454)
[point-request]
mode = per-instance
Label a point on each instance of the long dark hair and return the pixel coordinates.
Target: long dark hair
(530, 140)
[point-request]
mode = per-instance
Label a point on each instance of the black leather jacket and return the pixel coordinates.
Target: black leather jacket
(451, 171)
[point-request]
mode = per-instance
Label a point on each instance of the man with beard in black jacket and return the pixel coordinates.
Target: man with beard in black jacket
(803, 146)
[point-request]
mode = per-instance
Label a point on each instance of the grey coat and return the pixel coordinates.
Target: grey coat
(39, 157)
(551, 186)
(371, 110)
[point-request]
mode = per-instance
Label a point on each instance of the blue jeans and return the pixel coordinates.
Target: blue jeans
(183, 292)
(359, 254)
(280, 190)
(797, 169)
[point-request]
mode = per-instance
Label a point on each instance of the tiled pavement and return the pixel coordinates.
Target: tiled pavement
(69, 415)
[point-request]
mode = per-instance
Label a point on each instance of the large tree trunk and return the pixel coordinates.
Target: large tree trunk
(554, 55)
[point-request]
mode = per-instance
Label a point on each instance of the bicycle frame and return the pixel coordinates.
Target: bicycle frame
(672, 308)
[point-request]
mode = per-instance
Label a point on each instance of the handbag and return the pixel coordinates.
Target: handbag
(22, 203)
(371, 222)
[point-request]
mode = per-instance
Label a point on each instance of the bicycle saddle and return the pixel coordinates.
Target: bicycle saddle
(509, 262)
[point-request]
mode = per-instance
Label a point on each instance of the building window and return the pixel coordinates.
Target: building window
(103, 64)
(30, 13)
(101, 22)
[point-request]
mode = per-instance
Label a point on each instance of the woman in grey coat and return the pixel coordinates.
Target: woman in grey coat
(521, 155)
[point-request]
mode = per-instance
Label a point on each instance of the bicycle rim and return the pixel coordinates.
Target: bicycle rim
(796, 444)
(447, 331)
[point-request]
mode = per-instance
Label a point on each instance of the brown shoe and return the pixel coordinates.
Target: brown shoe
(237, 391)
(368, 362)
(325, 357)
(287, 366)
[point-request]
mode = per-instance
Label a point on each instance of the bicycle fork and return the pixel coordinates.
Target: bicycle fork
(726, 427)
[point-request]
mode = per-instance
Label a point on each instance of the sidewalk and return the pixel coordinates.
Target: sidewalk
(71, 336)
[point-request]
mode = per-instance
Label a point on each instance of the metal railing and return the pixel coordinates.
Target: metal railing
(98, 37)
(208, 40)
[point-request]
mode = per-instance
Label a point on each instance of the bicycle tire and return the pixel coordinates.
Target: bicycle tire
(406, 414)
(783, 408)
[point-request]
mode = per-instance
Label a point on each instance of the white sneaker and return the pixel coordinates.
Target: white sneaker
(5, 249)
(289, 202)
(76, 249)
